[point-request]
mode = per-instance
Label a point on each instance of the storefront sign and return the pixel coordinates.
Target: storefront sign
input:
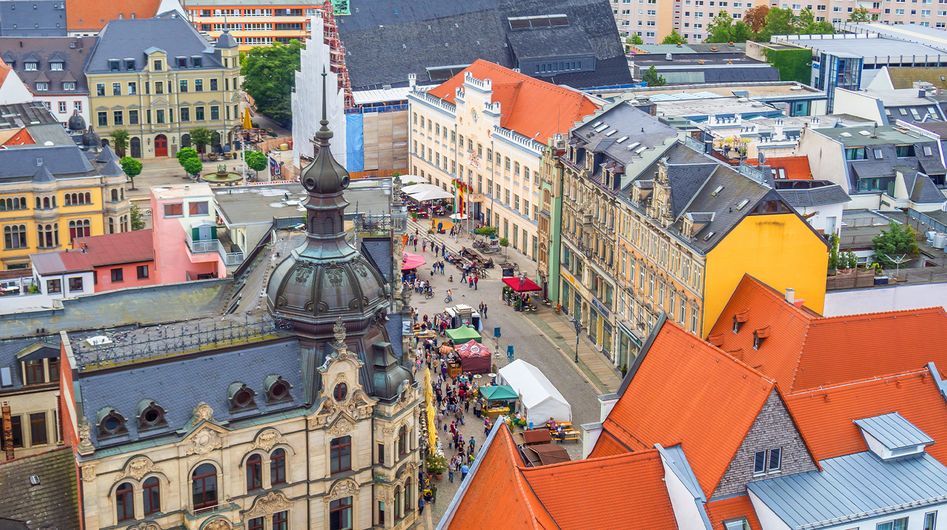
(600, 307)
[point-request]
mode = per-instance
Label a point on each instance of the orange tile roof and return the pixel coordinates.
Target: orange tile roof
(803, 350)
(732, 508)
(93, 15)
(624, 491)
(826, 415)
(688, 392)
(536, 109)
(20, 137)
(794, 167)
(516, 504)
(607, 445)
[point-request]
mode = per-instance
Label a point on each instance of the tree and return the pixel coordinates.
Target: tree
(187, 152)
(674, 38)
(192, 166)
(724, 29)
(808, 25)
(120, 141)
(634, 39)
(755, 17)
(269, 78)
(201, 137)
(132, 167)
(255, 160)
(504, 242)
(138, 220)
(898, 240)
(653, 78)
(861, 14)
(778, 22)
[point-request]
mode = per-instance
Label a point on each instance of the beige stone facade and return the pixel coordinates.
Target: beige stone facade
(159, 104)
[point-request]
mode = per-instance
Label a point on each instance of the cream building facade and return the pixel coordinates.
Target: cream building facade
(175, 81)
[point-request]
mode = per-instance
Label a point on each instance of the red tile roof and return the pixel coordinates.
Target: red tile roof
(536, 109)
(732, 508)
(688, 392)
(623, 491)
(827, 414)
(793, 167)
(93, 15)
(499, 472)
(21, 137)
(607, 445)
(803, 350)
(100, 251)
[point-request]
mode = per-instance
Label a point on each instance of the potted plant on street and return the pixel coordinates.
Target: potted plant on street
(437, 465)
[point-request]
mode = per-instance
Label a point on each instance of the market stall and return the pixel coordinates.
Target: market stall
(498, 400)
(463, 334)
(462, 315)
(540, 398)
(411, 261)
(474, 357)
(521, 284)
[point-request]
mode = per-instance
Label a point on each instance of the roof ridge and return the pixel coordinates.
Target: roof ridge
(881, 314)
(876, 379)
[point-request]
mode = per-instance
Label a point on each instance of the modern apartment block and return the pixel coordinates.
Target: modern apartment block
(254, 22)
(158, 79)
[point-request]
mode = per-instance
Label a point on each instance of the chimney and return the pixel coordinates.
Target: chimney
(791, 295)
(921, 93)
(412, 80)
(6, 419)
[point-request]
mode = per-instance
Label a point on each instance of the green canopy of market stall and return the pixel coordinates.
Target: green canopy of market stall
(498, 393)
(463, 334)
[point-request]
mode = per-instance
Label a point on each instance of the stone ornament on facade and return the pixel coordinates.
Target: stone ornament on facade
(202, 412)
(203, 442)
(268, 504)
(341, 426)
(138, 467)
(343, 488)
(338, 331)
(85, 438)
(145, 526)
(267, 439)
(217, 524)
(88, 472)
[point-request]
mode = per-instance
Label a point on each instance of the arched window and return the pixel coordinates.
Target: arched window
(408, 495)
(14, 236)
(79, 228)
(124, 502)
(398, 513)
(46, 203)
(402, 441)
(254, 473)
(204, 486)
(88, 198)
(68, 198)
(151, 495)
(111, 424)
(278, 467)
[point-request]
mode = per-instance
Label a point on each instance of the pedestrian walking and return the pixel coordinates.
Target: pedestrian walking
(484, 311)
(470, 281)
(420, 505)
(451, 467)
(472, 442)
(475, 280)
(464, 469)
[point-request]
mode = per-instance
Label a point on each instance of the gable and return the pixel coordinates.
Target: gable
(773, 428)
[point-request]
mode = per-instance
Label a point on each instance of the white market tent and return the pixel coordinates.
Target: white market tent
(426, 192)
(541, 400)
(409, 180)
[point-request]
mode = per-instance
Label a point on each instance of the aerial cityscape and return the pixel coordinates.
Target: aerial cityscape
(480, 264)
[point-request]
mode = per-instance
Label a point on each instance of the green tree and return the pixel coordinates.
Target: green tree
(504, 242)
(861, 14)
(634, 39)
(138, 220)
(132, 167)
(268, 77)
(192, 166)
(255, 160)
(201, 138)
(898, 240)
(674, 38)
(724, 29)
(778, 22)
(808, 25)
(653, 78)
(120, 141)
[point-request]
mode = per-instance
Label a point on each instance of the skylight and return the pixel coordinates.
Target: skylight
(846, 134)
(633, 145)
(864, 133)
(743, 204)
(717, 191)
(601, 127)
(640, 149)
(611, 132)
(620, 140)
(709, 235)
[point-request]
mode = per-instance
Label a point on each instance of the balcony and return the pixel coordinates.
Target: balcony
(231, 258)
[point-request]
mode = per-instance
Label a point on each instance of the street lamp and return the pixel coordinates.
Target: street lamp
(578, 329)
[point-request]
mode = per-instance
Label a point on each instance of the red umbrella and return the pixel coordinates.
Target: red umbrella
(411, 261)
(521, 284)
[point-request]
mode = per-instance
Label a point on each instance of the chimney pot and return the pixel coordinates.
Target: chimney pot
(790, 295)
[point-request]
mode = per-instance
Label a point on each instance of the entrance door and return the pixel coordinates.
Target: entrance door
(161, 145)
(136, 147)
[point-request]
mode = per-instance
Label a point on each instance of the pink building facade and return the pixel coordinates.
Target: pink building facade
(185, 234)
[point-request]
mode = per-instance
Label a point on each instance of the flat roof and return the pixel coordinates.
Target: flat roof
(182, 191)
(774, 89)
(909, 32)
(873, 48)
(874, 136)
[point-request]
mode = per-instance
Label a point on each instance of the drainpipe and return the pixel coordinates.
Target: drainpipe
(7, 422)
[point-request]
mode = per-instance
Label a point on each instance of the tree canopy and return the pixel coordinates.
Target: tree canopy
(674, 38)
(653, 78)
(120, 141)
(132, 167)
(723, 29)
(269, 77)
(255, 160)
(861, 14)
(633, 39)
(201, 138)
(898, 240)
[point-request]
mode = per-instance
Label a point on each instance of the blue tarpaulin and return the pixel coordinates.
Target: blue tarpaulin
(354, 143)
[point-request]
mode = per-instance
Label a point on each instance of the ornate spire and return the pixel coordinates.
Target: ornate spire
(324, 133)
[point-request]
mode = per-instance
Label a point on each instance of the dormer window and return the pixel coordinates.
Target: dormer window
(197, 61)
(42, 86)
(111, 423)
(277, 389)
(31, 66)
(129, 64)
(56, 66)
(891, 436)
(181, 62)
(241, 397)
(114, 65)
(759, 336)
(150, 416)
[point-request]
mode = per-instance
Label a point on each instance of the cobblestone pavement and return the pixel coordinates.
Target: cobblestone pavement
(537, 338)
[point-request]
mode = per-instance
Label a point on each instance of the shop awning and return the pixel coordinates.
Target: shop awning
(463, 334)
(498, 393)
(426, 192)
(521, 285)
(411, 261)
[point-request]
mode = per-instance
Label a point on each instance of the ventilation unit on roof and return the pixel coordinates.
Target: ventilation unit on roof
(846, 134)
(641, 149)
(742, 204)
(620, 140)
(716, 191)
(709, 235)
(98, 340)
(633, 145)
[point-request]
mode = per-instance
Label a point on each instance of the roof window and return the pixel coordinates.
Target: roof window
(240, 396)
(150, 415)
(742, 204)
(111, 423)
(759, 336)
(114, 65)
(891, 436)
(277, 389)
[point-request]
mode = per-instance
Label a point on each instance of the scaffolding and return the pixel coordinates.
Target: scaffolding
(336, 52)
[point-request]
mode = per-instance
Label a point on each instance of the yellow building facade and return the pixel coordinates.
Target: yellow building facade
(43, 208)
(161, 93)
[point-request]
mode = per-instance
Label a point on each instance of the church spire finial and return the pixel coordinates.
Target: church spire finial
(324, 133)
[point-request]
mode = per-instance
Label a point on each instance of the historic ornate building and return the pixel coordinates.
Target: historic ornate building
(301, 417)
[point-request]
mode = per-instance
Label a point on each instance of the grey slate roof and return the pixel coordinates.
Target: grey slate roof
(378, 251)
(809, 195)
(51, 505)
(925, 191)
(132, 37)
(637, 125)
(385, 40)
(62, 161)
(73, 52)
(178, 386)
(11, 349)
(25, 114)
(853, 488)
(893, 431)
(32, 18)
